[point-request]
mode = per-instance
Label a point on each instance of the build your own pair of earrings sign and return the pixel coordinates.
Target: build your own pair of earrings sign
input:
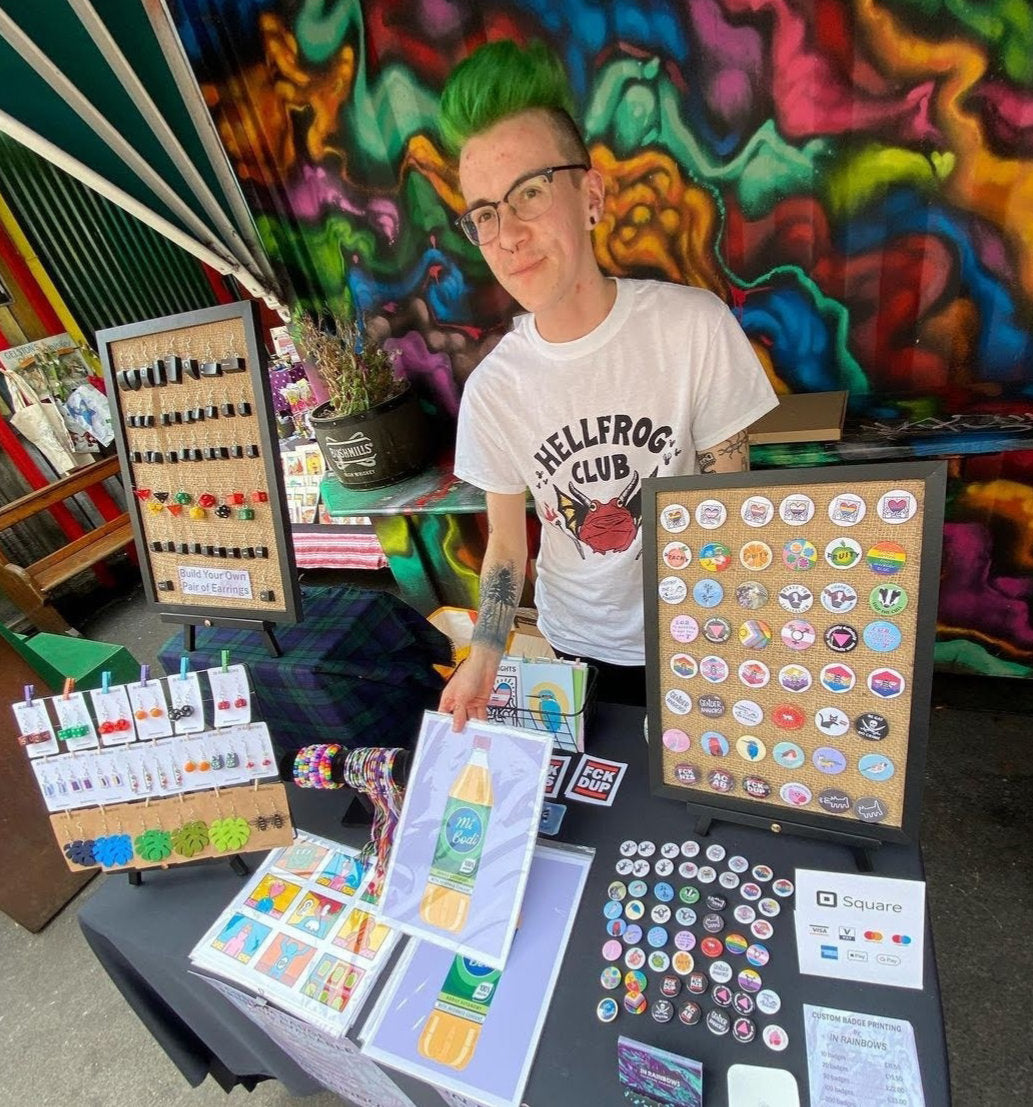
(790, 621)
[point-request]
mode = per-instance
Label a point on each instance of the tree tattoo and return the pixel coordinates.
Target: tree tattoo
(498, 603)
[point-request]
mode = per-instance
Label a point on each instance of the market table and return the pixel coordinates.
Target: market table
(143, 936)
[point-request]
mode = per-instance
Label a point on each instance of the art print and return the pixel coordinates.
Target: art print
(241, 938)
(315, 914)
(273, 895)
(285, 959)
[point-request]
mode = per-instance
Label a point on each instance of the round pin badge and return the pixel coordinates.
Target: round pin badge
(606, 1009)
(795, 793)
(758, 955)
(697, 983)
(660, 913)
(670, 986)
(898, 506)
(794, 678)
(711, 514)
(640, 867)
(841, 638)
(799, 554)
(757, 511)
(872, 726)
(612, 950)
(613, 909)
(835, 801)
(685, 916)
(756, 787)
(721, 781)
(713, 924)
(754, 673)
(659, 961)
(756, 556)
(677, 741)
(684, 666)
(837, 677)
(768, 1002)
(678, 702)
(743, 1003)
(711, 947)
(616, 891)
(775, 1038)
(635, 981)
(707, 593)
(744, 1030)
(770, 908)
(672, 590)
(750, 748)
(887, 599)
(689, 848)
(762, 929)
(831, 721)
(721, 972)
(736, 943)
(886, 558)
(749, 981)
(656, 937)
(874, 766)
(674, 518)
(788, 754)
(881, 636)
(847, 509)
(688, 894)
(635, 1003)
(783, 888)
(737, 863)
(714, 557)
(795, 598)
(662, 1010)
(682, 962)
(838, 597)
(715, 852)
(829, 760)
(646, 848)
(763, 873)
(728, 880)
(616, 927)
(676, 555)
(710, 705)
(713, 669)
(610, 978)
(713, 743)
(628, 848)
(716, 902)
(717, 630)
(870, 809)
(637, 889)
(634, 909)
(684, 629)
(887, 684)
(744, 914)
(623, 866)
(787, 716)
(707, 875)
(688, 870)
(669, 850)
(685, 940)
(796, 509)
(718, 1022)
(635, 958)
(747, 712)
(663, 866)
(689, 1013)
(754, 634)
(751, 594)
(798, 634)
(843, 553)
(632, 934)
(750, 892)
(721, 994)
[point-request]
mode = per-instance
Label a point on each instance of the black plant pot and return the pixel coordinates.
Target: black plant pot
(377, 447)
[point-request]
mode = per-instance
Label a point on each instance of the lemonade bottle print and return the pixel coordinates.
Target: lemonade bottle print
(454, 1025)
(457, 856)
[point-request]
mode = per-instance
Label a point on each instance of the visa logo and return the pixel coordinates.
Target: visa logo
(819, 931)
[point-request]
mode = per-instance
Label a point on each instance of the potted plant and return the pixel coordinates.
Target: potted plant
(372, 430)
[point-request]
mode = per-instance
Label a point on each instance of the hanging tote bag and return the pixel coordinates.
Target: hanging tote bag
(41, 423)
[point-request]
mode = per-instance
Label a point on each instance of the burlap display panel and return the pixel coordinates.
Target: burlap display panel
(209, 521)
(745, 751)
(264, 808)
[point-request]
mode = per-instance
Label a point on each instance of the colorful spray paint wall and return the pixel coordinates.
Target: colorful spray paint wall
(854, 178)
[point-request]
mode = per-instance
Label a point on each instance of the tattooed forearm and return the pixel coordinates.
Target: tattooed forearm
(499, 596)
(706, 462)
(730, 456)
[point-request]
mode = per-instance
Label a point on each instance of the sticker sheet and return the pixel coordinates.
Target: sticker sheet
(463, 844)
(784, 615)
(302, 934)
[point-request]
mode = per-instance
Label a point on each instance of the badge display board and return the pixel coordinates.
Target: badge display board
(790, 621)
(197, 443)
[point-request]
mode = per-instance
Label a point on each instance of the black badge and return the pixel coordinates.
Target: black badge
(834, 801)
(716, 903)
(872, 726)
(718, 1022)
(690, 1013)
(713, 707)
(841, 638)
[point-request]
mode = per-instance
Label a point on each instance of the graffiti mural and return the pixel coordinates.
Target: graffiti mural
(854, 177)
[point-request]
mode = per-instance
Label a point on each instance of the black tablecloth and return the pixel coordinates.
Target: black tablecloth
(143, 935)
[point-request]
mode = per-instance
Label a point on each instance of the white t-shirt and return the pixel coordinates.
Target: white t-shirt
(667, 373)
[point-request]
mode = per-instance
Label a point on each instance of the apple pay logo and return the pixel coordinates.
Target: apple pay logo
(827, 899)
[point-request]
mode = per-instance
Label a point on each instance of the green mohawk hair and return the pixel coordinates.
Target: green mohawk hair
(498, 80)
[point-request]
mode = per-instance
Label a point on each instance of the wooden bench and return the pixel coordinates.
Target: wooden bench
(29, 586)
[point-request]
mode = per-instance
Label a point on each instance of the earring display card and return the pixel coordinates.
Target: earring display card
(790, 619)
(302, 934)
(198, 449)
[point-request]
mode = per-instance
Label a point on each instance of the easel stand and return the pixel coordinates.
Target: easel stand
(861, 846)
(258, 626)
(237, 864)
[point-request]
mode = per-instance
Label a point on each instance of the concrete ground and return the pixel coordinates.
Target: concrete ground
(68, 1038)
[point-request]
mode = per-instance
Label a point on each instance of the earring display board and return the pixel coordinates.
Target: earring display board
(790, 619)
(197, 443)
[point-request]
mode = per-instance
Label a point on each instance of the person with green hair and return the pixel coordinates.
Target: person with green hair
(602, 383)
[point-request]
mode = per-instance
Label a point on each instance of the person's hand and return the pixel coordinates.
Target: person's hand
(466, 695)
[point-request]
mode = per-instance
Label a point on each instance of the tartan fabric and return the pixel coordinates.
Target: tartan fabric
(358, 669)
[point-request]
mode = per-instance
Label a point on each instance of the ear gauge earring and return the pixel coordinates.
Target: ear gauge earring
(593, 220)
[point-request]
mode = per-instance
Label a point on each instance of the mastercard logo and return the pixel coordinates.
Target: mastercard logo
(872, 936)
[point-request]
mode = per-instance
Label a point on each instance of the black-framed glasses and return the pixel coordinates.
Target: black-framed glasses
(529, 197)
